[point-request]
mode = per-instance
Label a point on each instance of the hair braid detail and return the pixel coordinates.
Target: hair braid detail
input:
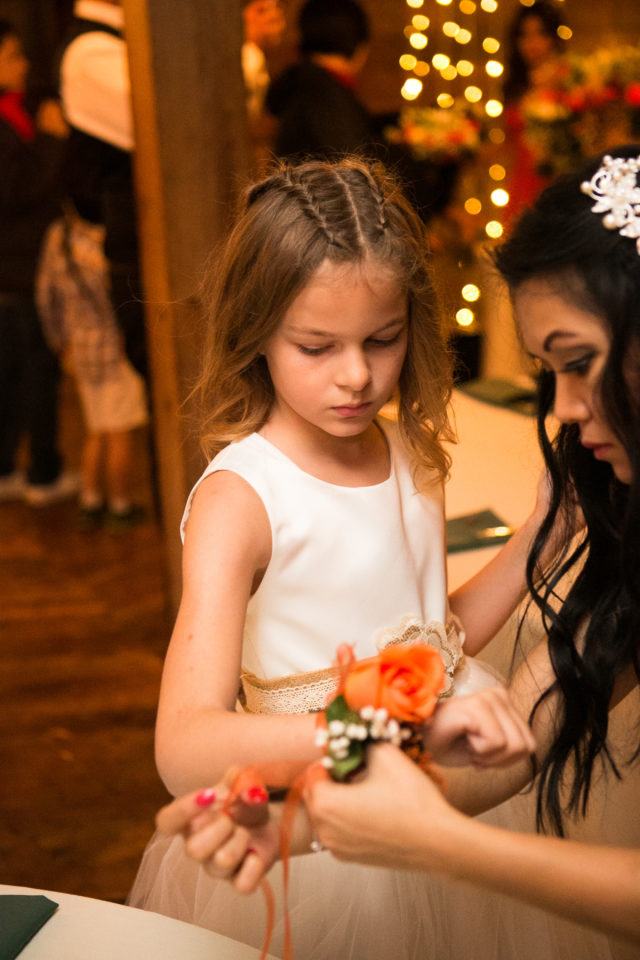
(284, 181)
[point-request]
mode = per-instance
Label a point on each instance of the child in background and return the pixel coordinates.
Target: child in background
(79, 321)
(316, 523)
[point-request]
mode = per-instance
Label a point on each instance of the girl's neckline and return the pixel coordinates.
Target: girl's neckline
(328, 483)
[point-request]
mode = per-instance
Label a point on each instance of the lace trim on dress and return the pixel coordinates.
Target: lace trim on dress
(310, 692)
(296, 693)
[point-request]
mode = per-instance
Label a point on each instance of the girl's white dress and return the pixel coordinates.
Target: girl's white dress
(365, 566)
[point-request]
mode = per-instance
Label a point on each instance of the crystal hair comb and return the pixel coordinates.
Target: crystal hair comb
(615, 189)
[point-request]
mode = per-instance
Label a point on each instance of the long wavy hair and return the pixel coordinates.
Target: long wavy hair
(344, 212)
(595, 634)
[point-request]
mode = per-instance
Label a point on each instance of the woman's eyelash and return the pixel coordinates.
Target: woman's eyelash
(581, 365)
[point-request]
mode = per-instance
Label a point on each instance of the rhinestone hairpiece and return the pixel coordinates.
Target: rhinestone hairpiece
(615, 189)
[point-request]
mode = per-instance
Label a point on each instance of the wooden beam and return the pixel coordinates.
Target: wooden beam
(192, 155)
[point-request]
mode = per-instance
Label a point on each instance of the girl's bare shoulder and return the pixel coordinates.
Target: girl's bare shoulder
(226, 512)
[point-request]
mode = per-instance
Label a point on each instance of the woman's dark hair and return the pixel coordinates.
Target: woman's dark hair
(517, 72)
(332, 26)
(595, 635)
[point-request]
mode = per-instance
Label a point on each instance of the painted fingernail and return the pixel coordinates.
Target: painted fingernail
(206, 797)
(255, 795)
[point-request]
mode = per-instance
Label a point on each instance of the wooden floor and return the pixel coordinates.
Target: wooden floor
(84, 624)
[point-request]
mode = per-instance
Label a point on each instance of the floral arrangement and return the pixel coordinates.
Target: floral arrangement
(433, 133)
(384, 698)
(587, 105)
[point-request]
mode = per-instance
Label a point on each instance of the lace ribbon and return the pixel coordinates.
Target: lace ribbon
(309, 692)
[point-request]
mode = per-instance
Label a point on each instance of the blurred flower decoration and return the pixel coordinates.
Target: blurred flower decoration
(590, 104)
(437, 135)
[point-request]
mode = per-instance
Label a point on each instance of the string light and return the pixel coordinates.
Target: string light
(470, 292)
(465, 317)
(445, 30)
(494, 68)
(499, 197)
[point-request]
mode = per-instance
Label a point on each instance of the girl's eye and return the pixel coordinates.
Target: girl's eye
(311, 351)
(581, 366)
(386, 343)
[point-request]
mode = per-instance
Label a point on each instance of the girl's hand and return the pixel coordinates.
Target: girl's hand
(380, 818)
(218, 839)
(483, 729)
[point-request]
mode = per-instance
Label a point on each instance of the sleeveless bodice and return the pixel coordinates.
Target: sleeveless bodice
(347, 563)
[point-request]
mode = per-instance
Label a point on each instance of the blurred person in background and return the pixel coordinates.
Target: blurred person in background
(535, 69)
(32, 147)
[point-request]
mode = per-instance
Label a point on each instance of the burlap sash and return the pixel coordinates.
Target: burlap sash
(310, 692)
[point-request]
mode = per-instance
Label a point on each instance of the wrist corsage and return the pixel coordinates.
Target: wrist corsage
(384, 698)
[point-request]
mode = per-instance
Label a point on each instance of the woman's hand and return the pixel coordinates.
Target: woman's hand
(483, 729)
(219, 839)
(380, 818)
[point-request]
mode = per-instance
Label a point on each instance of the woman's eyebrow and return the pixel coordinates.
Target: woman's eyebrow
(554, 335)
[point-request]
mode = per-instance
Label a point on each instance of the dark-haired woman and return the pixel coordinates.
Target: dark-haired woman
(573, 268)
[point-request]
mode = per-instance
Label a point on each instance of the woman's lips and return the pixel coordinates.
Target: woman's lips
(599, 450)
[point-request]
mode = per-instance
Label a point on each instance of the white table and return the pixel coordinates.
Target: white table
(86, 929)
(496, 464)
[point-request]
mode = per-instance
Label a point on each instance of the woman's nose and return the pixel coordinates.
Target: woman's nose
(354, 372)
(570, 404)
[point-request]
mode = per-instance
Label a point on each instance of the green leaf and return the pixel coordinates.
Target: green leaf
(339, 709)
(343, 768)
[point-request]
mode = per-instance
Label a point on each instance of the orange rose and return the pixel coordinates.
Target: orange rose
(405, 680)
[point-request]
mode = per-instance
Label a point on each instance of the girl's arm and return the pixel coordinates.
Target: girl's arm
(481, 728)
(475, 790)
(199, 734)
(415, 828)
(485, 602)
(489, 598)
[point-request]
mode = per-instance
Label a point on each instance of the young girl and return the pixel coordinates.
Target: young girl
(573, 266)
(72, 291)
(316, 523)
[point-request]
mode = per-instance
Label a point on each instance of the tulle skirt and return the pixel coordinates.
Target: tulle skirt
(342, 911)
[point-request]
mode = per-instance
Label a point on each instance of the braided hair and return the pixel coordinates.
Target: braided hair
(301, 215)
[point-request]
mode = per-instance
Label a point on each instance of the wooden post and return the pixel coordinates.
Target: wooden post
(191, 156)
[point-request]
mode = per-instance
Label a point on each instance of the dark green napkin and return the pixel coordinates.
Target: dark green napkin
(484, 528)
(501, 393)
(21, 916)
